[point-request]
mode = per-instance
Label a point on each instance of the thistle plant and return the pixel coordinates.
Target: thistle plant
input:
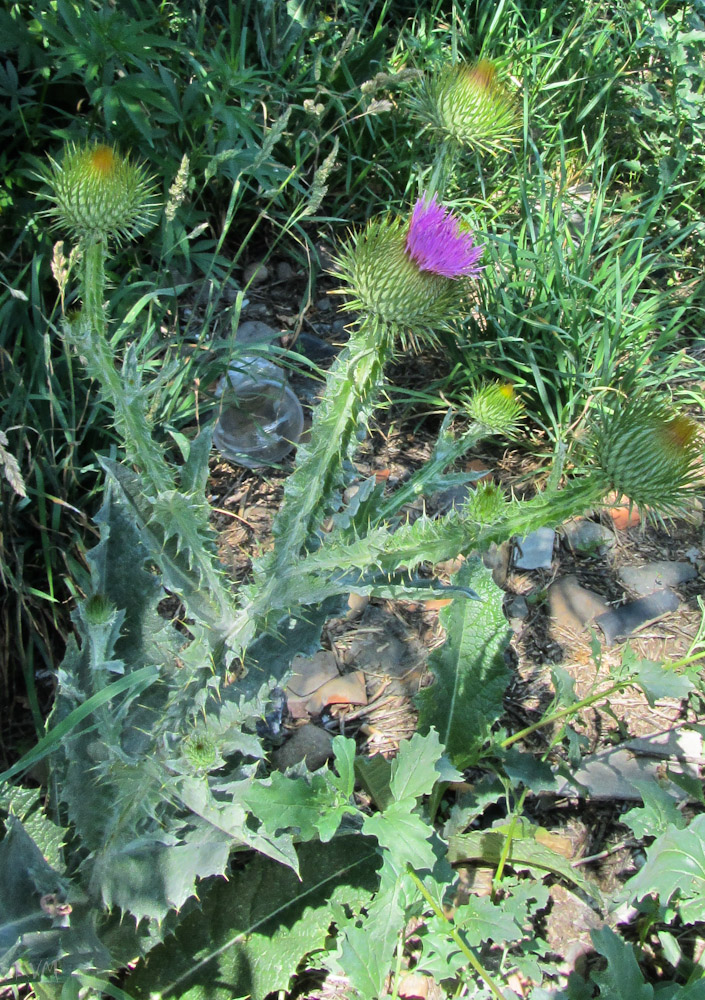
(470, 106)
(104, 199)
(465, 107)
(97, 193)
(100, 197)
(649, 453)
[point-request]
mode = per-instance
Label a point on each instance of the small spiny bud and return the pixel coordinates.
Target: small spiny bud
(650, 453)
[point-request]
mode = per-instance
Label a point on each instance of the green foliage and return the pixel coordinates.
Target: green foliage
(251, 931)
(469, 669)
(675, 870)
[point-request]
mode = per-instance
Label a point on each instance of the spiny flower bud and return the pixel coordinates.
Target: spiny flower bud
(98, 192)
(405, 273)
(469, 105)
(201, 751)
(495, 407)
(485, 504)
(650, 453)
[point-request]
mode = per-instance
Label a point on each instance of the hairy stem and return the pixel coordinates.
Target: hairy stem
(123, 390)
(452, 931)
(352, 386)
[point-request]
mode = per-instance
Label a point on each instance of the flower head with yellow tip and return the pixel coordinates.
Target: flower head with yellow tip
(467, 104)
(97, 192)
(650, 453)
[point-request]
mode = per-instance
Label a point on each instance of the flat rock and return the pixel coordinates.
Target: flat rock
(255, 274)
(497, 559)
(586, 537)
(518, 608)
(619, 623)
(254, 331)
(656, 575)
(308, 743)
(612, 773)
(536, 550)
(572, 606)
(310, 674)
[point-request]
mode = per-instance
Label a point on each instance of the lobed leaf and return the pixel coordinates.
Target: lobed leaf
(253, 929)
(675, 871)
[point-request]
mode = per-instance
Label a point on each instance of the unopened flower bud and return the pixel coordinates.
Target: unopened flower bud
(495, 407)
(97, 192)
(469, 105)
(650, 453)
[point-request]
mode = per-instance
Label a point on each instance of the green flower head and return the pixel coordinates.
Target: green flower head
(468, 105)
(97, 192)
(650, 453)
(496, 407)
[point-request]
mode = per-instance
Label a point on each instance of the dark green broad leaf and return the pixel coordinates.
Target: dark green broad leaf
(675, 871)
(269, 657)
(479, 920)
(254, 928)
(622, 979)
(366, 952)
(26, 805)
(660, 810)
(312, 806)
(470, 673)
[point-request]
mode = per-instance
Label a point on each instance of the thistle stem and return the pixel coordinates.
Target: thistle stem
(123, 390)
(352, 385)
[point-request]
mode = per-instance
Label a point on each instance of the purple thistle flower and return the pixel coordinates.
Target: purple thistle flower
(437, 244)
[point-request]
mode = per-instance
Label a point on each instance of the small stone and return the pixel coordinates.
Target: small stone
(258, 309)
(356, 605)
(324, 305)
(536, 550)
(586, 537)
(314, 348)
(619, 623)
(518, 608)
(497, 559)
(285, 271)
(454, 496)
(623, 515)
(255, 274)
(309, 743)
(572, 606)
(655, 575)
(254, 331)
